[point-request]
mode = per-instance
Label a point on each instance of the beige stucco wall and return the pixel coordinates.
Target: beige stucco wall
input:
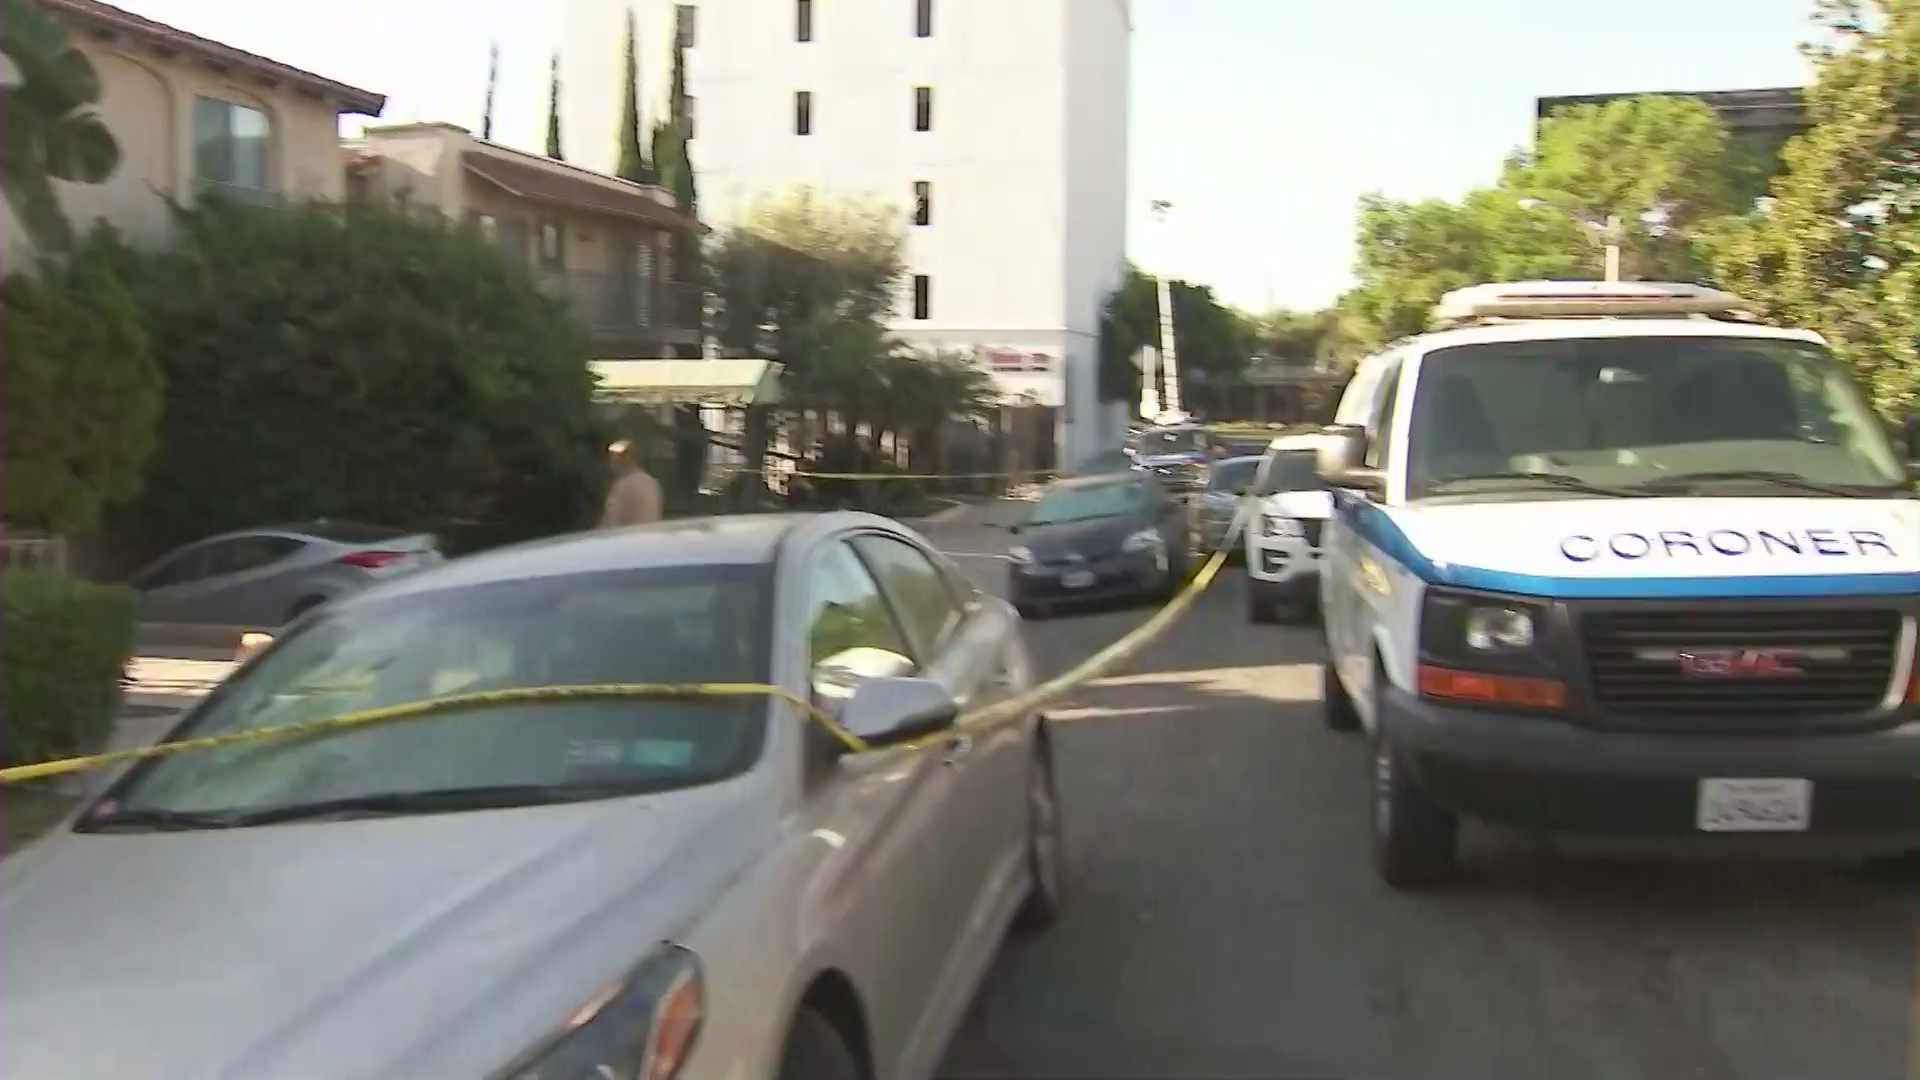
(147, 102)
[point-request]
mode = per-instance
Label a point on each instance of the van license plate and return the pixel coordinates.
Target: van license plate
(1077, 579)
(1754, 805)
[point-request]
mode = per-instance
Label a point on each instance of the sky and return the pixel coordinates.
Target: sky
(1262, 122)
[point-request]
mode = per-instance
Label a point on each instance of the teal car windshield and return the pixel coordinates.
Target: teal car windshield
(1688, 415)
(703, 624)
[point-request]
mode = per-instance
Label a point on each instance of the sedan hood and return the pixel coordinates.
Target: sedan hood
(396, 948)
(1094, 538)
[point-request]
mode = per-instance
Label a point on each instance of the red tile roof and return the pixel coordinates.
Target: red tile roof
(586, 191)
(93, 13)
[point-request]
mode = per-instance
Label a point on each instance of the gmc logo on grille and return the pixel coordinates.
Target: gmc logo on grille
(1774, 663)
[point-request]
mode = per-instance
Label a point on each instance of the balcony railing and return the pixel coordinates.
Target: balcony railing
(629, 308)
(239, 193)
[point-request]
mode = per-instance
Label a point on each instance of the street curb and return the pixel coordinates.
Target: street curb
(943, 516)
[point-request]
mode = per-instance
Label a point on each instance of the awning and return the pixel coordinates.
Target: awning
(727, 383)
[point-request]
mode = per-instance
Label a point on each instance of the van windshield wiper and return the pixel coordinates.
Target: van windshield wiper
(1682, 481)
(1554, 480)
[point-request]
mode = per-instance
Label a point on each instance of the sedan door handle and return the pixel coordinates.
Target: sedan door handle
(958, 748)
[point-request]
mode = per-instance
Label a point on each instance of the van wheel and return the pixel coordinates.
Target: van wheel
(817, 1051)
(1336, 708)
(1416, 842)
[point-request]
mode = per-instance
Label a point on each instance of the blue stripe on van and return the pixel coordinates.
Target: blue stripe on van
(1380, 530)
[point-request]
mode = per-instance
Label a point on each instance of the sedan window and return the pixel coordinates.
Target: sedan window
(703, 624)
(851, 634)
(917, 588)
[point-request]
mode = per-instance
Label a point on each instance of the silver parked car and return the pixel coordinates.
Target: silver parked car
(266, 577)
(573, 889)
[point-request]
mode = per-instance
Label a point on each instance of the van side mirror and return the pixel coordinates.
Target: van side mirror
(1338, 459)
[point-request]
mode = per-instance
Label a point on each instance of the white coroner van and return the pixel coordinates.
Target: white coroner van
(1614, 558)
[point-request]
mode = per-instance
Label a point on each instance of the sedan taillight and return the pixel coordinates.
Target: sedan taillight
(373, 560)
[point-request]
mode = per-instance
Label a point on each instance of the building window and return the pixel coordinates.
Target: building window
(923, 108)
(686, 115)
(922, 18)
(803, 20)
(489, 227)
(803, 112)
(683, 24)
(230, 145)
(922, 296)
(922, 202)
(553, 244)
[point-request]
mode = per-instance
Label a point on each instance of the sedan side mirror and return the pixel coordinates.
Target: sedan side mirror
(887, 712)
(1338, 459)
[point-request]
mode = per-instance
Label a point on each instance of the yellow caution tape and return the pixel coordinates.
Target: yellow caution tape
(770, 470)
(1092, 667)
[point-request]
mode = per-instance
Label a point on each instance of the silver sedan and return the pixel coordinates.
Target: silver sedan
(565, 890)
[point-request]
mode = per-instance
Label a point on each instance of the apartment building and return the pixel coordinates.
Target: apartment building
(192, 115)
(601, 243)
(996, 128)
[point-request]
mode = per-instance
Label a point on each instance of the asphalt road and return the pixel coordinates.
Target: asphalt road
(1223, 920)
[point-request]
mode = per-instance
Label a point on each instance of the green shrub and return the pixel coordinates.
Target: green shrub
(63, 644)
(82, 390)
(362, 364)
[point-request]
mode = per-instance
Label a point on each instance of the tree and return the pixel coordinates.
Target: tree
(493, 83)
(360, 363)
(1834, 247)
(1664, 165)
(49, 126)
(553, 109)
(83, 391)
(671, 160)
(633, 160)
(1211, 339)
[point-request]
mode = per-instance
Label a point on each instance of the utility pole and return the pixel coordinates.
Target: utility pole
(1169, 351)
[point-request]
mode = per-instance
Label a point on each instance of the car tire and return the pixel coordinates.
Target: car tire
(1416, 841)
(816, 1050)
(1046, 845)
(1336, 708)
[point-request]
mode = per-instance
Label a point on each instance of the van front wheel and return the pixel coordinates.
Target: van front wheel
(1415, 840)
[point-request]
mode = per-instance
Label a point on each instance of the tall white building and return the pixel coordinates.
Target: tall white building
(997, 127)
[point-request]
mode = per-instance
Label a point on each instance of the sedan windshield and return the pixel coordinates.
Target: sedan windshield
(1235, 476)
(1292, 470)
(1683, 415)
(1085, 501)
(687, 625)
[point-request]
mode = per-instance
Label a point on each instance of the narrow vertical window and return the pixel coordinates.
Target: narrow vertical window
(803, 112)
(922, 202)
(923, 108)
(922, 296)
(683, 25)
(803, 20)
(923, 18)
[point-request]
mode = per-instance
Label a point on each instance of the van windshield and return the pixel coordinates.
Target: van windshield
(1673, 415)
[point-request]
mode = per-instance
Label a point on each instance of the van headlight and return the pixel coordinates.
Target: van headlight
(1489, 650)
(1144, 540)
(641, 1028)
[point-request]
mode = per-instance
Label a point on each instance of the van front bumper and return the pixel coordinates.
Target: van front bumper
(1548, 774)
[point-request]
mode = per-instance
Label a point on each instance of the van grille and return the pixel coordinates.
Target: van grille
(1730, 667)
(1313, 528)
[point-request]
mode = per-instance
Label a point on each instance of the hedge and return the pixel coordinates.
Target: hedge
(63, 645)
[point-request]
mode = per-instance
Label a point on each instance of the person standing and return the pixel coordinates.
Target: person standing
(634, 497)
